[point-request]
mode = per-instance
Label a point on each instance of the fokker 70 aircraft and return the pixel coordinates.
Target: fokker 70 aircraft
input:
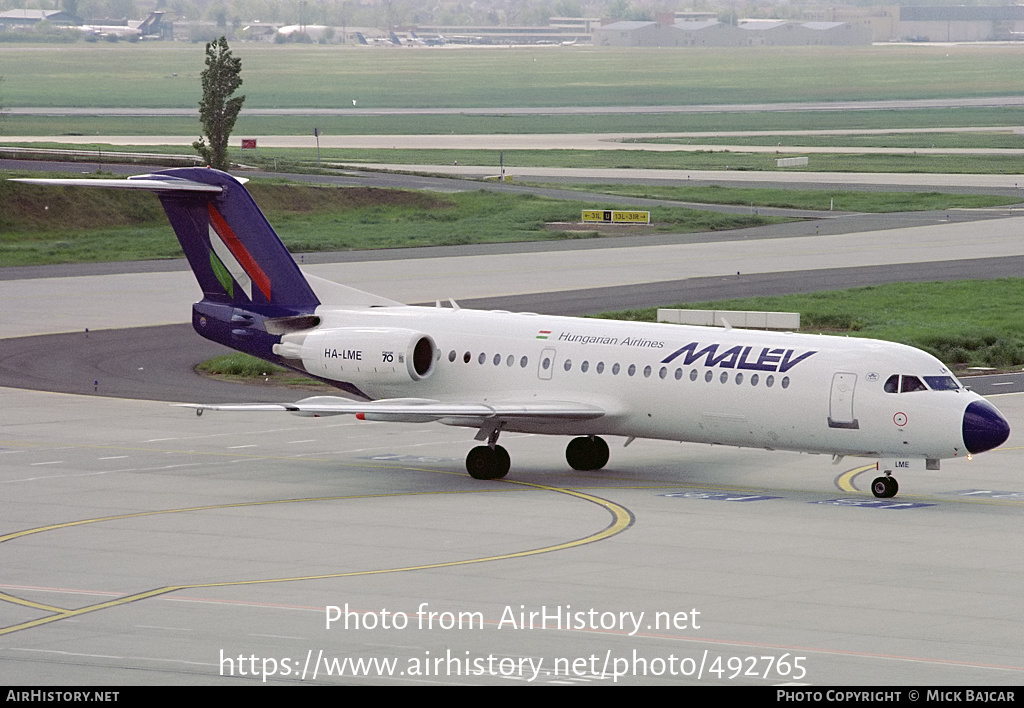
(503, 371)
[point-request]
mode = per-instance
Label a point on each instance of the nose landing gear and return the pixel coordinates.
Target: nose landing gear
(885, 487)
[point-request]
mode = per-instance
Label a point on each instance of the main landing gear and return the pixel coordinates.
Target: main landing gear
(885, 487)
(587, 454)
(486, 462)
(491, 461)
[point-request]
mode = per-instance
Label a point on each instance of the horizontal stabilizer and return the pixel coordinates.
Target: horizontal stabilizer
(151, 183)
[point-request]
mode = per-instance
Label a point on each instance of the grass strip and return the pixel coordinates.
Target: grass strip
(46, 225)
(823, 200)
(963, 323)
(248, 124)
(305, 159)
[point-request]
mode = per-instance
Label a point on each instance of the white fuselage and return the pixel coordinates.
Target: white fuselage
(673, 382)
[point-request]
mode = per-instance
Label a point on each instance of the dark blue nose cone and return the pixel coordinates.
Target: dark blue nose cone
(984, 427)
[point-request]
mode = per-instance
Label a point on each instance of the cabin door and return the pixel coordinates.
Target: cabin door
(840, 409)
(841, 401)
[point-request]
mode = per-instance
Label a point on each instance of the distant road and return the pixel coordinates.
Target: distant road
(989, 102)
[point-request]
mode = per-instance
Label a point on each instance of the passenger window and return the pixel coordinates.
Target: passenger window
(451, 355)
(615, 369)
(584, 366)
(693, 374)
(482, 358)
(892, 384)
(912, 383)
(739, 378)
(679, 374)
(600, 367)
(497, 359)
(785, 382)
(466, 357)
(647, 372)
(631, 370)
(754, 378)
(708, 375)
(567, 365)
(523, 362)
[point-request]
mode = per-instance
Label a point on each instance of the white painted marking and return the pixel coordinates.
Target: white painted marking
(156, 626)
(276, 636)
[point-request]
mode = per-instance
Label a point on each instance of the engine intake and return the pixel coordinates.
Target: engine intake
(362, 355)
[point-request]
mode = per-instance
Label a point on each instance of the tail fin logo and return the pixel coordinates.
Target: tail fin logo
(231, 260)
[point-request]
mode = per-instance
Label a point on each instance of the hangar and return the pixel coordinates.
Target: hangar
(711, 33)
(962, 23)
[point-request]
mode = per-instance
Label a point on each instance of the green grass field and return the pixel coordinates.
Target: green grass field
(311, 76)
(308, 77)
(963, 323)
(821, 200)
(14, 125)
(305, 159)
(43, 225)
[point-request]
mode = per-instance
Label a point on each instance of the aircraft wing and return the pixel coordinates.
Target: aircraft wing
(418, 410)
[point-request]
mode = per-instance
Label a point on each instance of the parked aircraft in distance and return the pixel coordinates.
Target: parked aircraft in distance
(500, 371)
(436, 40)
(148, 26)
(376, 41)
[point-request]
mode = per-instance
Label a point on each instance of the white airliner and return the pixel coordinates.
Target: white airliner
(500, 371)
(129, 30)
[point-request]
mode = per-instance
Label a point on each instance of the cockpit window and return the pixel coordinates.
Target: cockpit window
(912, 383)
(941, 383)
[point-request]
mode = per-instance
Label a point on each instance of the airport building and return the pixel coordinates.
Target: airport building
(962, 23)
(748, 33)
(28, 19)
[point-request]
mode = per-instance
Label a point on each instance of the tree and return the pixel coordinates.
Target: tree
(218, 111)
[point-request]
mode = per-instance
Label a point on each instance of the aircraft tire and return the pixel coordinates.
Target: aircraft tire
(885, 487)
(587, 454)
(483, 462)
(503, 462)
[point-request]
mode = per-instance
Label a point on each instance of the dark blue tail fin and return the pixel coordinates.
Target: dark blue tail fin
(235, 254)
(252, 289)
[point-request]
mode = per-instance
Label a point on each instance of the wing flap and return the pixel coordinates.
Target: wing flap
(417, 410)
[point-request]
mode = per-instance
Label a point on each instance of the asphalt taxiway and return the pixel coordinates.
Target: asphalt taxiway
(142, 544)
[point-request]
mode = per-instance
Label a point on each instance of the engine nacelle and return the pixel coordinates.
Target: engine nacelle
(365, 356)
